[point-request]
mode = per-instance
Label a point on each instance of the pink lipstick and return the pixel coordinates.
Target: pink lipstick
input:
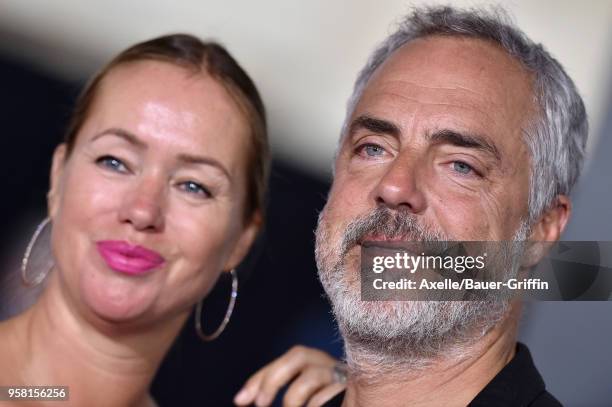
(129, 259)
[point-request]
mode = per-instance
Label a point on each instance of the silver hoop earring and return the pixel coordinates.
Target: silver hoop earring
(26, 257)
(226, 318)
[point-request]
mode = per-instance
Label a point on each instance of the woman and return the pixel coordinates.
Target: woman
(157, 190)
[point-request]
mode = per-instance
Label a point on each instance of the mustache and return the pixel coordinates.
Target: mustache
(391, 225)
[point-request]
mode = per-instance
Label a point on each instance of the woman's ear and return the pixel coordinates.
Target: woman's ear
(55, 181)
(245, 241)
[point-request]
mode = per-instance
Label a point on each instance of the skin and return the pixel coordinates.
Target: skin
(310, 372)
(94, 329)
(398, 153)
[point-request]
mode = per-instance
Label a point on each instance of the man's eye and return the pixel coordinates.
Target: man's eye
(192, 187)
(112, 163)
(371, 150)
(462, 167)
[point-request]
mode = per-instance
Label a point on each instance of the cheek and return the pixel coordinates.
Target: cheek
(201, 243)
(353, 191)
(87, 205)
(340, 208)
(202, 240)
(488, 212)
(464, 218)
(86, 194)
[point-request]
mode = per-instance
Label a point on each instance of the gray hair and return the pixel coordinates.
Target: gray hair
(556, 138)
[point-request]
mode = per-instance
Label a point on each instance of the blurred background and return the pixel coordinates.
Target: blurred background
(304, 57)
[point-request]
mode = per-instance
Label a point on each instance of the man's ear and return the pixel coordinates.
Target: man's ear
(55, 181)
(551, 224)
(547, 230)
(245, 241)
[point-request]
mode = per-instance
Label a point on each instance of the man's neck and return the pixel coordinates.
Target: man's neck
(449, 382)
(101, 366)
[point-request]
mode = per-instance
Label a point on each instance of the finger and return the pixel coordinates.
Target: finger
(316, 356)
(250, 390)
(307, 384)
(265, 383)
(325, 394)
(263, 380)
(284, 369)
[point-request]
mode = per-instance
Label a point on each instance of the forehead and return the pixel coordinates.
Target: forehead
(160, 98)
(462, 82)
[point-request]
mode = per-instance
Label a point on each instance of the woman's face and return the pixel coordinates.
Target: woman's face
(147, 210)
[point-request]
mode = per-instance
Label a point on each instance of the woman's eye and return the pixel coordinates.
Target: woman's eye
(195, 188)
(371, 150)
(110, 162)
(462, 167)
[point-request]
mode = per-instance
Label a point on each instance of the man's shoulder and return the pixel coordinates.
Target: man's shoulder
(545, 399)
(518, 383)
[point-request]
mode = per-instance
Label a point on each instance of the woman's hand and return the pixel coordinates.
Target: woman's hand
(312, 373)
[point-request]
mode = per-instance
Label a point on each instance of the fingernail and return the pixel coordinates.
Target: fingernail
(242, 397)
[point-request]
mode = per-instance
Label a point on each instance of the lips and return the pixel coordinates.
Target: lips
(128, 259)
(379, 239)
(384, 238)
(407, 244)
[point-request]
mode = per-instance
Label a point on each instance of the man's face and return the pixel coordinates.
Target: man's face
(435, 144)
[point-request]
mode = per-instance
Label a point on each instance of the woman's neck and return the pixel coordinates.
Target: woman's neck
(103, 364)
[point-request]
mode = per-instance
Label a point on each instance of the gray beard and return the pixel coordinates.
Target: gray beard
(387, 337)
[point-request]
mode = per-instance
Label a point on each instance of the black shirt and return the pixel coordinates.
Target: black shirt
(517, 384)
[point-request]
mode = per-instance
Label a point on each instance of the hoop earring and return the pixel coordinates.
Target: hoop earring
(226, 318)
(26, 257)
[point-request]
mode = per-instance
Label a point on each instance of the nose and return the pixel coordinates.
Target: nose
(143, 205)
(400, 188)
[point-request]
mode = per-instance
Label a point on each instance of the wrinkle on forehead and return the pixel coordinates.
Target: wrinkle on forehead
(450, 89)
(409, 92)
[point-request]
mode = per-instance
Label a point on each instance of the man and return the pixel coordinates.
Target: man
(459, 128)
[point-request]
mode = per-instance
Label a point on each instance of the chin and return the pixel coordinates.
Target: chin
(116, 298)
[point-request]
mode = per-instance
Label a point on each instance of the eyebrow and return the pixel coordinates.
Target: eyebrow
(183, 158)
(461, 139)
(199, 160)
(121, 133)
(375, 125)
